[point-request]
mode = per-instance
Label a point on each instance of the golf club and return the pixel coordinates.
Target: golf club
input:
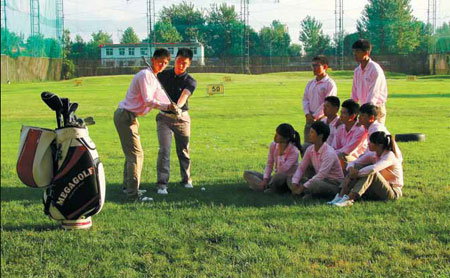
(65, 110)
(55, 103)
(72, 108)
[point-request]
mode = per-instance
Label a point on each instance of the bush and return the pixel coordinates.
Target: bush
(68, 69)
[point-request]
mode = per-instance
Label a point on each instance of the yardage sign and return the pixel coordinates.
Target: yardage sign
(214, 89)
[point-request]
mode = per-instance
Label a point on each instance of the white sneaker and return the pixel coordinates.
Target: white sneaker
(344, 202)
(188, 185)
(162, 191)
(140, 191)
(335, 200)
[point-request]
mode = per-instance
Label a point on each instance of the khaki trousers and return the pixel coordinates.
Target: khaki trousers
(277, 182)
(127, 127)
(181, 130)
(375, 187)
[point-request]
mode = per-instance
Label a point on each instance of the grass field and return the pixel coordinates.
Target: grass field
(227, 230)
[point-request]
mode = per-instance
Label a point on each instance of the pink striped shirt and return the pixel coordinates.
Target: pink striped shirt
(140, 98)
(369, 84)
(286, 163)
(389, 166)
(315, 94)
(333, 128)
(377, 126)
(325, 162)
(351, 143)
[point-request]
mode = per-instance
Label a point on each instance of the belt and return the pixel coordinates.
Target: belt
(171, 115)
(128, 111)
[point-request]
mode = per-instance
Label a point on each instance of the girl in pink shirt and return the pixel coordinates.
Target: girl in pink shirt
(283, 154)
(378, 173)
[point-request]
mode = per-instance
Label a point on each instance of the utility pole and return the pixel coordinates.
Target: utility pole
(35, 17)
(339, 33)
(5, 26)
(245, 36)
(431, 21)
(151, 36)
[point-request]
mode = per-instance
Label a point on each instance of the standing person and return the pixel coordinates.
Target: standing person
(369, 81)
(331, 118)
(180, 86)
(144, 93)
(283, 153)
(321, 159)
(315, 93)
(378, 173)
(350, 137)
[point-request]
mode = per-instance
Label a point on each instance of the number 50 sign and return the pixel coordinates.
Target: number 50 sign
(214, 89)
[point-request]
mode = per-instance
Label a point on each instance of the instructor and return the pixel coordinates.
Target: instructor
(180, 86)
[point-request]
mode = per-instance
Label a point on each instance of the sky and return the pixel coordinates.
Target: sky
(83, 17)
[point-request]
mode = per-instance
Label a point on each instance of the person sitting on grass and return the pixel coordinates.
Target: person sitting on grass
(283, 153)
(378, 174)
(350, 137)
(320, 172)
(330, 110)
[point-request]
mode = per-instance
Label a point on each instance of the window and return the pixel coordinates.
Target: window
(144, 51)
(109, 52)
(131, 51)
(121, 51)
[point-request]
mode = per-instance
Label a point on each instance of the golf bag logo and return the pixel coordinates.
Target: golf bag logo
(65, 161)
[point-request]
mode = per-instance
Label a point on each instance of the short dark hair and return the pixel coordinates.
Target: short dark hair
(333, 100)
(369, 109)
(186, 53)
(363, 45)
(321, 59)
(161, 52)
(321, 128)
(351, 106)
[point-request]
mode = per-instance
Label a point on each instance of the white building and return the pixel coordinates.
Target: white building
(128, 55)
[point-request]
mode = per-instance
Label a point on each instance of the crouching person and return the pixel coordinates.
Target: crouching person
(378, 174)
(320, 172)
(283, 153)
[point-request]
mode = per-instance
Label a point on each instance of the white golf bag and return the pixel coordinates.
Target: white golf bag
(65, 162)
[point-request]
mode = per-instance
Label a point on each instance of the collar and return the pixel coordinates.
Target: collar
(321, 149)
(326, 78)
(367, 66)
(179, 76)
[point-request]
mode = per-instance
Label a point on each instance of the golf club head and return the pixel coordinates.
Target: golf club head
(52, 101)
(65, 110)
(89, 120)
(72, 108)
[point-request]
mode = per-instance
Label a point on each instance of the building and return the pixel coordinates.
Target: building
(129, 55)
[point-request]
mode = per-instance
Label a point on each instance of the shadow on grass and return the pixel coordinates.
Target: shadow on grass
(446, 95)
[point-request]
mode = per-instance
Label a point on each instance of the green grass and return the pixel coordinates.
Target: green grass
(227, 230)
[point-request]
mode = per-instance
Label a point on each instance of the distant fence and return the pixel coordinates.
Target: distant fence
(22, 69)
(408, 64)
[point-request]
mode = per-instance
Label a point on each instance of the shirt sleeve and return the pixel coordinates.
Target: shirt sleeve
(365, 159)
(191, 84)
(330, 91)
(291, 159)
(306, 100)
(270, 161)
(383, 163)
(326, 165)
(354, 95)
(374, 87)
(147, 87)
(302, 167)
(358, 137)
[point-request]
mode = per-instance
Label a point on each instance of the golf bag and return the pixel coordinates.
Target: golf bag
(64, 161)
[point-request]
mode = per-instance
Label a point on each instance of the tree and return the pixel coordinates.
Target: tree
(188, 21)
(93, 46)
(311, 35)
(164, 31)
(223, 31)
(78, 49)
(11, 43)
(67, 43)
(349, 39)
(35, 46)
(52, 48)
(274, 40)
(295, 50)
(443, 38)
(390, 26)
(129, 36)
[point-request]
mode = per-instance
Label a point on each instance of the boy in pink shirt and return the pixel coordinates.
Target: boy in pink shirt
(369, 81)
(377, 174)
(315, 93)
(283, 154)
(330, 110)
(349, 141)
(144, 93)
(320, 159)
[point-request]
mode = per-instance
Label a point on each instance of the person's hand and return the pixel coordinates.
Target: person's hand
(264, 183)
(353, 173)
(297, 189)
(309, 118)
(173, 107)
(342, 156)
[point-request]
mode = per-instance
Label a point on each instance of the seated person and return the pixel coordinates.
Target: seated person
(350, 137)
(368, 114)
(377, 174)
(283, 153)
(320, 172)
(330, 110)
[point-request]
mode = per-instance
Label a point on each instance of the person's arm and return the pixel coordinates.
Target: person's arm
(291, 160)
(302, 167)
(270, 161)
(330, 91)
(328, 159)
(358, 137)
(306, 101)
(354, 94)
(183, 98)
(383, 163)
(146, 84)
(374, 86)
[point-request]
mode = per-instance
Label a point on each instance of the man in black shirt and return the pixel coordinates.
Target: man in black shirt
(180, 86)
